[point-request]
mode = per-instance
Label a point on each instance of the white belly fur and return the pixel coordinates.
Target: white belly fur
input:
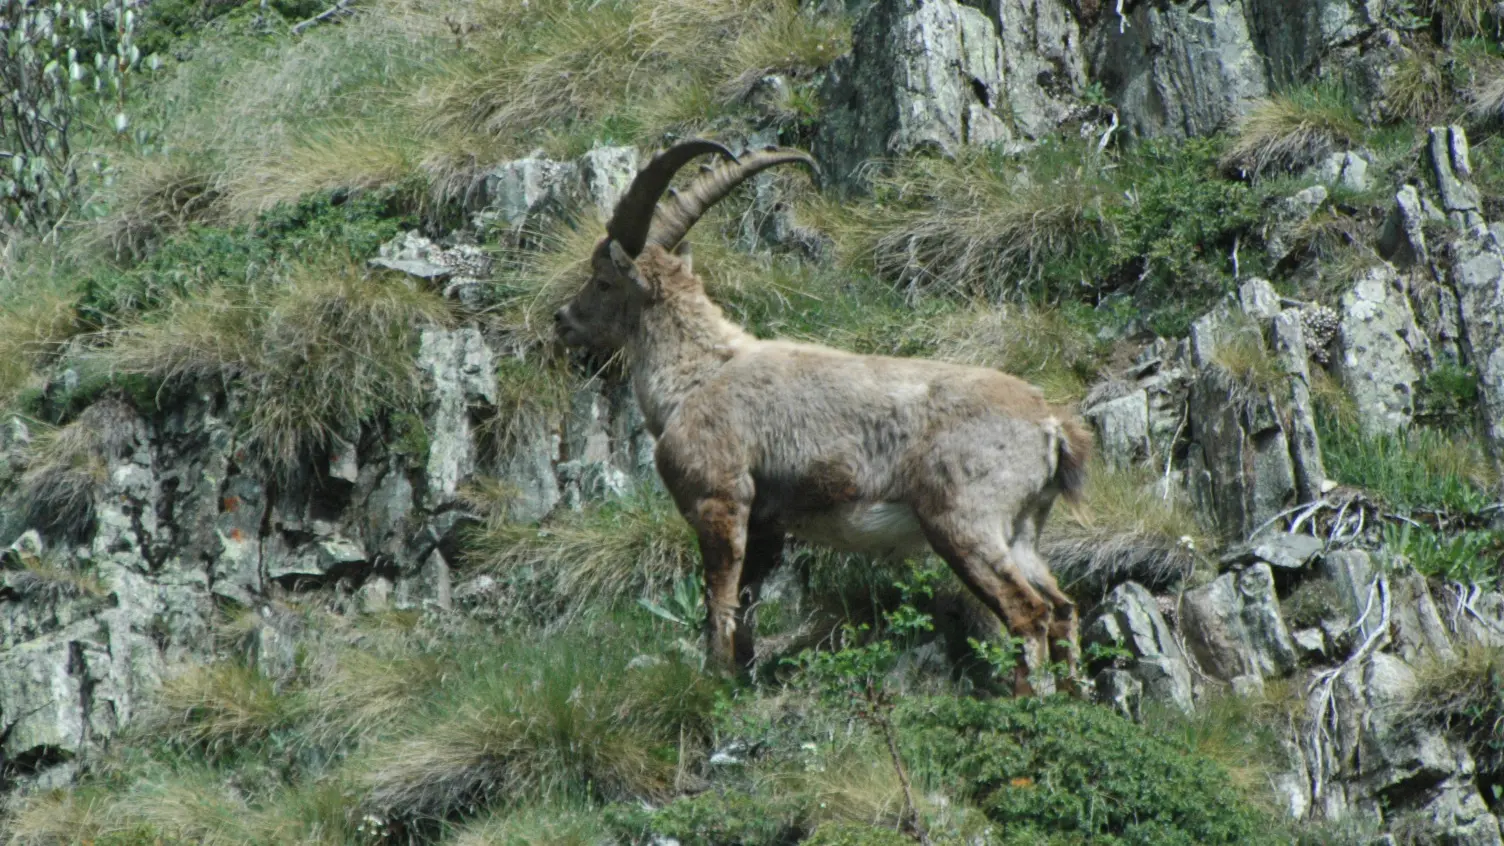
(871, 527)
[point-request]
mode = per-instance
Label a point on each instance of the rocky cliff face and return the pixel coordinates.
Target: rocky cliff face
(136, 527)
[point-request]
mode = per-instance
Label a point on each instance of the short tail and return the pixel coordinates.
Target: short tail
(1075, 445)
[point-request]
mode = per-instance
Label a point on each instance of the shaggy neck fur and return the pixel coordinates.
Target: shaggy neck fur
(680, 340)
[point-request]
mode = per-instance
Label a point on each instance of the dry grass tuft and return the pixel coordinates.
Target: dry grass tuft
(1126, 527)
(219, 707)
(550, 68)
(1461, 19)
(156, 197)
(66, 467)
(1465, 696)
(969, 226)
(1290, 132)
(1041, 345)
(1417, 90)
(354, 157)
(318, 355)
(539, 719)
(1485, 96)
(599, 556)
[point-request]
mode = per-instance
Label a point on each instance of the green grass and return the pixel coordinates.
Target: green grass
(1293, 130)
(1418, 468)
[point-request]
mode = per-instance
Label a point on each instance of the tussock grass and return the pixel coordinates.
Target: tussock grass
(1045, 346)
(634, 69)
(318, 355)
(1291, 131)
(1242, 351)
(599, 556)
(220, 707)
(541, 720)
(1124, 528)
(1417, 90)
(970, 226)
(1465, 696)
(1460, 19)
(37, 313)
(65, 467)
(350, 157)
(155, 197)
(1485, 94)
(47, 579)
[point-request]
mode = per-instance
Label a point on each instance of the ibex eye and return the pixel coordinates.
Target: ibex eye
(603, 284)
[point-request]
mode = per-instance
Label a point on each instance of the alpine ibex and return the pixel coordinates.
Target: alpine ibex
(757, 439)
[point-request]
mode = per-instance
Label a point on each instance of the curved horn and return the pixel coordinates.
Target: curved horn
(634, 211)
(674, 218)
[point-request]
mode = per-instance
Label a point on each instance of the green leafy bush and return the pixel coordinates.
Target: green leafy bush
(1059, 771)
(328, 227)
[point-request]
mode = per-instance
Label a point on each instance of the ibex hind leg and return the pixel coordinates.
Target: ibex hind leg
(975, 548)
(764, 552)
(1063, 634)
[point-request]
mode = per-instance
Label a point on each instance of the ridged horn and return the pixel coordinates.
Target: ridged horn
(682, 209)
(634, 212)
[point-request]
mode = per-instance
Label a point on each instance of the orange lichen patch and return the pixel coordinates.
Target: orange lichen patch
(230, 503)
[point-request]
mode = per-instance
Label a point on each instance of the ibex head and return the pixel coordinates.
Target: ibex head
(605, 310)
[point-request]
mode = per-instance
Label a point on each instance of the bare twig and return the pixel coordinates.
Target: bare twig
(338, 9)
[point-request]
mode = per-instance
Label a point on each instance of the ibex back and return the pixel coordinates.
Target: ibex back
(759, 439)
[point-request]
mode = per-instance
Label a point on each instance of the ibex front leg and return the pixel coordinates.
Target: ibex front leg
(720, 522)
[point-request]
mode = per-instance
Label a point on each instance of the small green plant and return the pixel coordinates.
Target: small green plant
(683, 606)
(856, 676)
(1472, 557)
(1421, 467)
(714, 818)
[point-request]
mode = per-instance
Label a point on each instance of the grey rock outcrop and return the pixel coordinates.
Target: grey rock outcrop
(1122, 428)
(1234, 628)
(1379, 344)
(1129, 618)
(461, 371)
(1286, 218)
(1178, 71)
(1238, 468)
(921, 74)
(1478, 278)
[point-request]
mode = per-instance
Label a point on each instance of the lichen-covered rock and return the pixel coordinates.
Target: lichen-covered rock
(1347, 170)
(1122, 428)
(1130, 618)
(460, 369)
(1448, 153)
(1287, 216)
(921, 74)
(1238, 468)
(1379, 344)
(1478, 277)
(1234, 628)
(1288, 332)
(1043, 62)
(1178, 70)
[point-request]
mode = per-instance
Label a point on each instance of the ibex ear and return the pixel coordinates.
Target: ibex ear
(686, 255)
(628, 269)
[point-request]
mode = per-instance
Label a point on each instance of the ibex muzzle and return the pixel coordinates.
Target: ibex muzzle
(757, 439)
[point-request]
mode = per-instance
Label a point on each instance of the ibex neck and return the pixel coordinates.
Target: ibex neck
(681, 340)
